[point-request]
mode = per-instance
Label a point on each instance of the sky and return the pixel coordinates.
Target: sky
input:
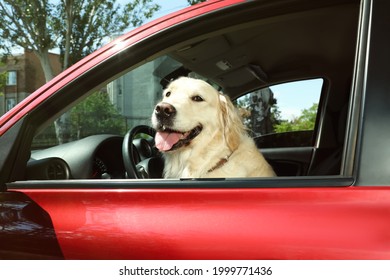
(169, 6)
(293, 97)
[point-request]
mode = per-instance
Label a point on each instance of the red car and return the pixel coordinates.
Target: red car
(80, 177)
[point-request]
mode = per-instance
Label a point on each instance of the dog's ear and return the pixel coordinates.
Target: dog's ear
(233, 126)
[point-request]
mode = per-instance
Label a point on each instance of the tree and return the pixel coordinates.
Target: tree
(76, 27)
(83, 25)
(259, 111)
(96, 114)
(306, 121)
(27, 24)
(193, 2)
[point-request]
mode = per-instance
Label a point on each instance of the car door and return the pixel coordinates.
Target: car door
(53, 192)
(218, 221)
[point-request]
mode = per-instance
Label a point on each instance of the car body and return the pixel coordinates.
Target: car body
(331, 199)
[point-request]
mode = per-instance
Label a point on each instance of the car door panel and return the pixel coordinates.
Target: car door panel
(241, 223)
(289, 161)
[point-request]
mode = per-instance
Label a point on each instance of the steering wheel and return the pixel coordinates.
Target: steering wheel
(141, 159)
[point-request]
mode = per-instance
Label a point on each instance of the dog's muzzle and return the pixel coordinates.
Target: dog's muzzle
(168, 139)
(165, 113)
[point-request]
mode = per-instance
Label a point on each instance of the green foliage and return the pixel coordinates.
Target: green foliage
(275, 115)
(96, 115)
(83, 25)
(26, 24)
(193, 2)
(76, 27)
(262, 115)
(306, 121)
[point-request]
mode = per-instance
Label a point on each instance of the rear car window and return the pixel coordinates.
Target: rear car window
(283, 115)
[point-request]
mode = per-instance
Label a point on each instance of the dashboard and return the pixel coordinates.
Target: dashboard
(93, 157)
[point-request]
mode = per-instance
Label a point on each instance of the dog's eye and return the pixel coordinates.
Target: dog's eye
(197, 98)
(167, 94)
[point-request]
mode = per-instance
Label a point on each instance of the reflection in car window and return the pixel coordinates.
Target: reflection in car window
(282, 108)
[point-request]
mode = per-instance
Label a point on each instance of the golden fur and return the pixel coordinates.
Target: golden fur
(223, 135)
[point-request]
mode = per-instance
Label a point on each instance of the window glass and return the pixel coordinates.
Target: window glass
(114, 108)
(282, 115)
(289, 109)
(9, 103)
(11, 78)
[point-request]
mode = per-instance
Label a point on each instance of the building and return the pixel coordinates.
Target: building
(146, 79)
(24, 76)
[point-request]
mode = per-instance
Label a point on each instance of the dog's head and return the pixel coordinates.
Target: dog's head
(190, 110)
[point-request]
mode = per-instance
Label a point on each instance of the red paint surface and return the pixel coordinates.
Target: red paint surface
(296, 223)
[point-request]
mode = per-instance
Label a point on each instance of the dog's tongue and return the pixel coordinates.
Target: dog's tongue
(165, 140)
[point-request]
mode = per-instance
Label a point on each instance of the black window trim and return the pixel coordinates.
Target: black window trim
(217, 183)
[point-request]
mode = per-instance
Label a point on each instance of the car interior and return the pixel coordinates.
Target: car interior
(259, 47)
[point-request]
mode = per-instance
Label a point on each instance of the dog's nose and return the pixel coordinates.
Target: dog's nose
(165, 110)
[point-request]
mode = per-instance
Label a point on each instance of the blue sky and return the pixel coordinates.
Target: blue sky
(169, 6)
(293, 97)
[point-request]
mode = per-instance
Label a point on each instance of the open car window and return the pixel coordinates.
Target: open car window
(91, 132)
(114, 107)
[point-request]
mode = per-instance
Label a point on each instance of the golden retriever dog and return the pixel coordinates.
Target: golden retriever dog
(201, 134)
